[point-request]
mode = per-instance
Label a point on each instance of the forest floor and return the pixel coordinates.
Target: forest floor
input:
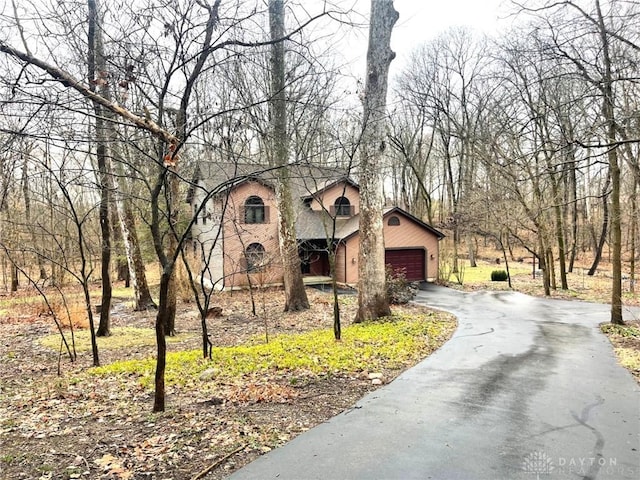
(72, 424)
(58, 421)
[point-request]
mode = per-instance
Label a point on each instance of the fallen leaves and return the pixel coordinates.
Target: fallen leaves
(113, 466)
(105, 426)
(260, 393)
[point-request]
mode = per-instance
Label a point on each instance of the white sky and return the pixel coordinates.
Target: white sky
(422, 20)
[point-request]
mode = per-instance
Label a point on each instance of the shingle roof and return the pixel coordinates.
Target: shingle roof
(305, 180)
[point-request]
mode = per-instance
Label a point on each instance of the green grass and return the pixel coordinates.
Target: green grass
(121, 337)
(482, 273)
(393, 343)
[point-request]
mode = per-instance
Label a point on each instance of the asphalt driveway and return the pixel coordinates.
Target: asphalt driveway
(527, 388)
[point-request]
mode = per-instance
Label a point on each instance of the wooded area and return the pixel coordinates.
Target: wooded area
(527, 140)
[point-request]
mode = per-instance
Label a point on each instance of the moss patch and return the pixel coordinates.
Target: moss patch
(394, 343)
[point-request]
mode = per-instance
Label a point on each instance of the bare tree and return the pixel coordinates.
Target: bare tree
(295, 294)
(97, 72)
(590, 39)
(372, 295)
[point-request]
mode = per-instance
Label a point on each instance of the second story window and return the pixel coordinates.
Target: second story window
(254, 210)
(342, 207)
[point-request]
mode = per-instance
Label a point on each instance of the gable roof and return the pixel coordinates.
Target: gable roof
(391, 210)
(309, 224)
(353, 227)
(330, 183)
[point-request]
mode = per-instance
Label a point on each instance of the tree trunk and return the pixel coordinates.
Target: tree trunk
(372, 292)
(605, 223)
(551, 268)
(295, 293)
(173, 246)
(122, 269)
(137, 273)
(546, 279)
(27, 216)
(471, 250)
(161, 341)
(634, 235)
(608, 112)
(98, 76)
(14, 277)
(104, 325)
(126, 218)
(557, 209)
(573, 200)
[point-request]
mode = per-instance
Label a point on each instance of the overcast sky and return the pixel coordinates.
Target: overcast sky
(422, 20)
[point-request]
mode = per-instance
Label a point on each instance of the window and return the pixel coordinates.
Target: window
(254, 211)
(393, 221)
(254, 255)
(342, 207)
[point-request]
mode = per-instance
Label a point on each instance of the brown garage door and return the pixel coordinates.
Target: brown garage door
(412, 260)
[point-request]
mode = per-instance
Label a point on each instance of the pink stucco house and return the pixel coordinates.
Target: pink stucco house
(235, 235)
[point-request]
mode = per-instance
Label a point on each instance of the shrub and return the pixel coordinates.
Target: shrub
(499, 276)
(399, 289)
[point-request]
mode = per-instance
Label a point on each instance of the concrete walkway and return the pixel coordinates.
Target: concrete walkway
(527, 388)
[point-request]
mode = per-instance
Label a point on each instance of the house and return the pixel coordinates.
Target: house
(235, 234)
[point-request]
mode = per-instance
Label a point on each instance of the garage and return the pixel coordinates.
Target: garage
(412, 260)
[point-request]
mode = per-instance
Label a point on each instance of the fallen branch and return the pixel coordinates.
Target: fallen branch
(217, 463)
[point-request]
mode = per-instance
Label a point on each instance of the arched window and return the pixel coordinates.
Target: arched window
(342, 207)
(254, 210)
(254, 255)
(393, 221)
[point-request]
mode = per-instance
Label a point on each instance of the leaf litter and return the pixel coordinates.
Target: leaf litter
(86, 426)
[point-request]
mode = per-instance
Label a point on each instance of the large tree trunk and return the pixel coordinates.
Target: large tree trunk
(608, 112)
(295, 294)
(98, 76)
(372, 292)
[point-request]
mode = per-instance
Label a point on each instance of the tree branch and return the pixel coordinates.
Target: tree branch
(66, 79)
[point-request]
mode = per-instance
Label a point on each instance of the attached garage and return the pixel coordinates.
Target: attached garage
(412, 260)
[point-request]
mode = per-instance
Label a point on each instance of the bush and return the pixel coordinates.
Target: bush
(399, 289)
(499, 276)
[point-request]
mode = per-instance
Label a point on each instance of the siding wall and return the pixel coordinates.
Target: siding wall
(238, 235)
(330, 195)
(408, 234)
(204, 233)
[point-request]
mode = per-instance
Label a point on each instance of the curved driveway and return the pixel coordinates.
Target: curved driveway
(527, 388)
